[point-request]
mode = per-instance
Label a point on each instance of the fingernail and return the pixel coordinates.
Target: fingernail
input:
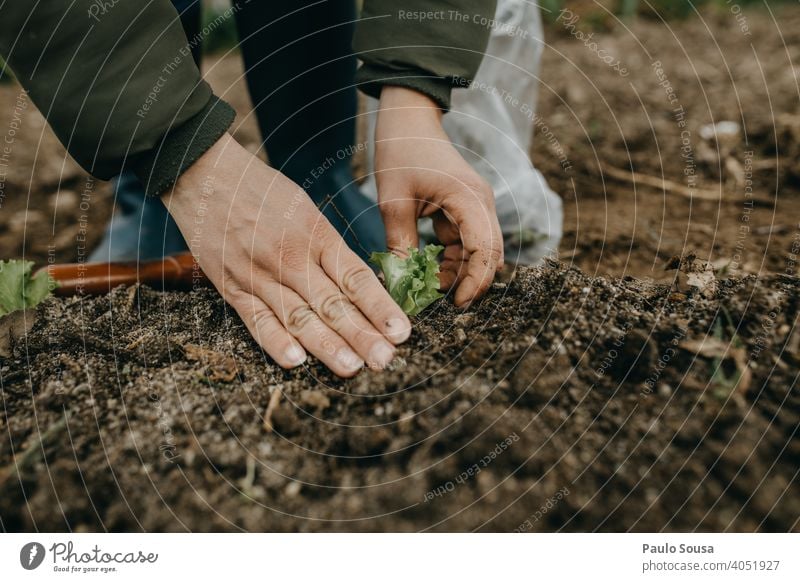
(295, 355)
(381, 354)
(349, 360)
(398, 330)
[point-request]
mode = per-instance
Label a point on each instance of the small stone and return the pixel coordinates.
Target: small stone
(315, 399)
(293, 489)
(464, 319)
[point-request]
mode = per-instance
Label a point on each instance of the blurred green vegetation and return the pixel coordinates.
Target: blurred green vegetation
(667, 9)
(224, 35)
(5, 74)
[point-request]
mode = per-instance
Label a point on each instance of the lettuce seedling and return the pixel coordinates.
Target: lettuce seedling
(412, 282)
(18, 289)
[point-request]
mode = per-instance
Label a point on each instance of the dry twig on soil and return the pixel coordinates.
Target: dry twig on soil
(274, 401)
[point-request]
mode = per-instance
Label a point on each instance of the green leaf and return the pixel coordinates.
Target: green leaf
(412, 282)
(18, 290)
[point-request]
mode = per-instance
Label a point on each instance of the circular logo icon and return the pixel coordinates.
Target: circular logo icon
(31, 555)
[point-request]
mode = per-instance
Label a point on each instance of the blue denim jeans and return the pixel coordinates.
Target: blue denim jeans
(300, 75)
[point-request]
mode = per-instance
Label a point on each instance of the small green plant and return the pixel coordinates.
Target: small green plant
(727, 373)
(412, 282)
(525, 237)
(20, 290)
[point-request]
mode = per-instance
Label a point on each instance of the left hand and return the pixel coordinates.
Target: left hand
(420, 173)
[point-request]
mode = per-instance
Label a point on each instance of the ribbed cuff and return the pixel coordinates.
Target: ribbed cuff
(371, 79)
(161, 167)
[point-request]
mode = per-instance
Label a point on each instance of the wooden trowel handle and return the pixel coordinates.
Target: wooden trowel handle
(176, 272)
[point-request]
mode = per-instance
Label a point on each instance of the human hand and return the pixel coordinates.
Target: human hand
(279, 263)
(420, 173)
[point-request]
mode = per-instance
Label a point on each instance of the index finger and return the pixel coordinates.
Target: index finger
(362, 287)
(481, 237)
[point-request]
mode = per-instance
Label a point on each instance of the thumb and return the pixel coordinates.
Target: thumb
(400, 219)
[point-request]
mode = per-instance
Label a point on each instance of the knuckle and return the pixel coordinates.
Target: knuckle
(393, 212)
(322, 231)
(334, 307)
(262, 317)
(355, 280)
(494, 255)
(292, 256)
(234, 295)
(478, 185)
(299, 319)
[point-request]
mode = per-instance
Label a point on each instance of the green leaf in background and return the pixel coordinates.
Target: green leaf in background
(18, 290)
(411, 282)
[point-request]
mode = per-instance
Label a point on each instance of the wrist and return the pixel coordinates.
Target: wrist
(408, 102)
(407, 113)
(199, 180)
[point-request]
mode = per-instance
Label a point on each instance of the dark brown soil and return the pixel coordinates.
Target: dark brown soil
(603, 120)
(144, 410)
(567, 399)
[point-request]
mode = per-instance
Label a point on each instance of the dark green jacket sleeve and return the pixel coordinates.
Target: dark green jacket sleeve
(116, 82)
(430, 46)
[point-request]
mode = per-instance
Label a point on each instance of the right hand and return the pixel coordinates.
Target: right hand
(281, 265)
